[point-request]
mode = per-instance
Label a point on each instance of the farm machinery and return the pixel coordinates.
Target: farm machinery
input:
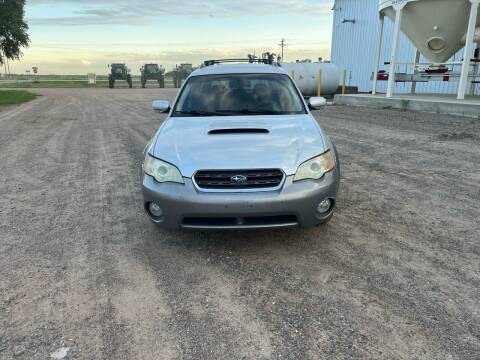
(180, 73)
(152, 72)
(119, 72)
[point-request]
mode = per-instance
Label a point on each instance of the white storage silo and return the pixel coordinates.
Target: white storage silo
(438, 28)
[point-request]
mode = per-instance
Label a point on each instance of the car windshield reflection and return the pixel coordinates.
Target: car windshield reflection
(239, 94)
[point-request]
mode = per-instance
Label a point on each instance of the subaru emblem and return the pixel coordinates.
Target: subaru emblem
(238, 179)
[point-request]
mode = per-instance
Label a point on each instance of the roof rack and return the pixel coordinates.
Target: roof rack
(269, 60)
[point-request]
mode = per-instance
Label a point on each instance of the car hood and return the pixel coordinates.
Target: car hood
(206, 143)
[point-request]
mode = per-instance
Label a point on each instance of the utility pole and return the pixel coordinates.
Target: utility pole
(282, 45)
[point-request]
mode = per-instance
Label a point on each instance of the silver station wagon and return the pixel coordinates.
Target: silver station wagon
(240, 149)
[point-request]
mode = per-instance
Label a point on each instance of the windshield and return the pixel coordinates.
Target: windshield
(239, 94)
(152, 68)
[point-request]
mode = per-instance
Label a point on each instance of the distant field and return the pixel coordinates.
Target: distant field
(62, 84)
(50, 77)
(45, 84)
(11, 97)
(72, 84)
(67, 81)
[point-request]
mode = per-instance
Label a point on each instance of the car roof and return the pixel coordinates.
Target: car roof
(239, 69)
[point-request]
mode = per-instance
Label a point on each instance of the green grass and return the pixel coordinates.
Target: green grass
(11, 97)
(47, 84)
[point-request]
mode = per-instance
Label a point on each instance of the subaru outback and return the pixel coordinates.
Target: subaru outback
(240, 149)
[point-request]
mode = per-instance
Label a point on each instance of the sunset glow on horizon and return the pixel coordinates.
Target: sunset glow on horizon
(73, 37)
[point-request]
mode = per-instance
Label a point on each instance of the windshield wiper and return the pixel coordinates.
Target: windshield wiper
(255, 112)
(198, 113)
(233, 112)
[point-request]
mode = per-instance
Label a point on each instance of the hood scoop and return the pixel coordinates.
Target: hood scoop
(236, 131)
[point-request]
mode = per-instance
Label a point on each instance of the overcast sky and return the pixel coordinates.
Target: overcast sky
(80, 36)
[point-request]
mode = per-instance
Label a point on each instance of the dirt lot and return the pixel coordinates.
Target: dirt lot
(395, 275)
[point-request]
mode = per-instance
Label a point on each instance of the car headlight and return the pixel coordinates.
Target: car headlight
(161, 170)
(315, 168)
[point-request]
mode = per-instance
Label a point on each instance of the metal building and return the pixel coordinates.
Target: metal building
(354, 38)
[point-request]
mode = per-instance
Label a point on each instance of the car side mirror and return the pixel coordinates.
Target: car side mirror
(162, 106)
(317, 102)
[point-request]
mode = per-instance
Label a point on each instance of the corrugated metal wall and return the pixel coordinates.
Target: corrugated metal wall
(353, 48)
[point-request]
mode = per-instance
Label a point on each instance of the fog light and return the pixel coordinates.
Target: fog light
(324, 206)
(155, 209)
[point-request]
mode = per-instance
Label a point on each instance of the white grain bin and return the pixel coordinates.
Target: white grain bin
(306, 77)
(436, 27)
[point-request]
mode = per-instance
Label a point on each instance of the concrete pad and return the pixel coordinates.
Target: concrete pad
(439, 104)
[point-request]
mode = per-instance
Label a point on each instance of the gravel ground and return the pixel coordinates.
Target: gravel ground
(85, 275)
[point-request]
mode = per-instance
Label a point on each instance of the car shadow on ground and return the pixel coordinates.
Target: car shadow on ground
(295, 248)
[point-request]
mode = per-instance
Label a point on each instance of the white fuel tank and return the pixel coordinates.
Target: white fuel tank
(306, 77)
(436, 27)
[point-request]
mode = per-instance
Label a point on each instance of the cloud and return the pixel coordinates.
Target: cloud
(109, 12)
(81, 61)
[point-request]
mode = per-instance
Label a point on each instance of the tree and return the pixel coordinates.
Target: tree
(13, 29)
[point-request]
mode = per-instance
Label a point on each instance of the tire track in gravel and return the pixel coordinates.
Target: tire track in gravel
(50, 249)
(137, 304)
(190, 315)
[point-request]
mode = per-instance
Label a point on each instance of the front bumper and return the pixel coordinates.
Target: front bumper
(295, 204)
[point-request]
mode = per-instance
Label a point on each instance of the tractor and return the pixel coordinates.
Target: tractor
(152, 72)
(180, 73)
(119, 72)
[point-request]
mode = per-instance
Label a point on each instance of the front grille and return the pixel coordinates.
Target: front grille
(233, 222)
(239, 179)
